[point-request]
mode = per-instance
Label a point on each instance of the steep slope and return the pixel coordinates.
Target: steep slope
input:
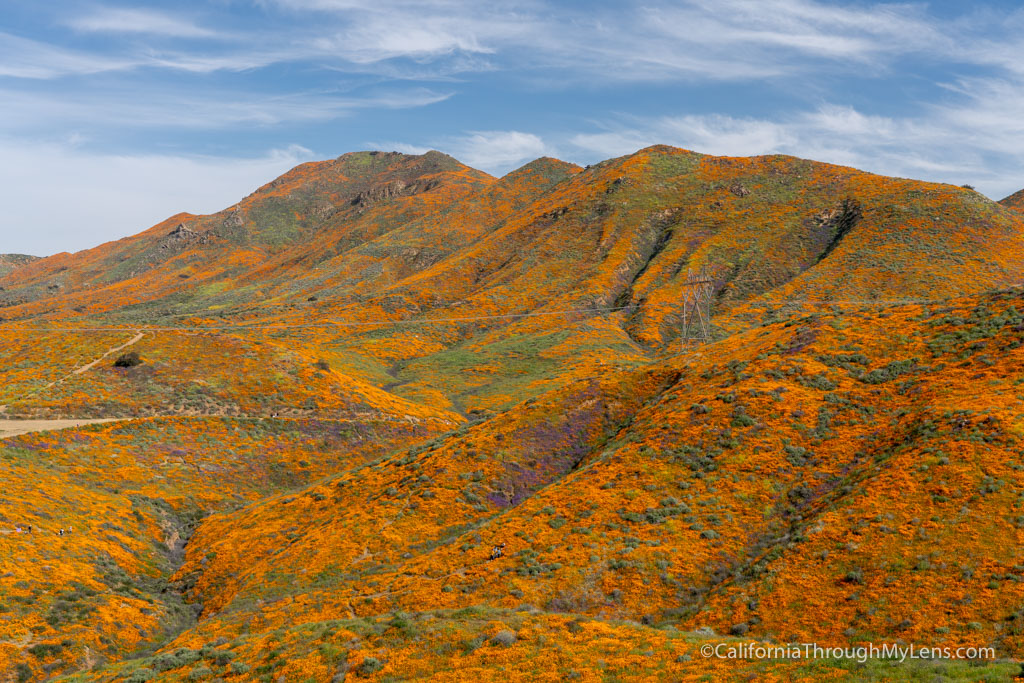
(430, 232)
(9, 262)
(827, 479)
(104, 513)
(1014, 201)
(624, 233)
(414, 272)
(294, 211)
(779, 445)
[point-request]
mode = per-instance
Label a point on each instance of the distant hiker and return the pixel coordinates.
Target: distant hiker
(497, 551)
(17, 529)
(60, 533)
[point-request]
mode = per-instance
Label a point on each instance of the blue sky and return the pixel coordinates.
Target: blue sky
(114, 115)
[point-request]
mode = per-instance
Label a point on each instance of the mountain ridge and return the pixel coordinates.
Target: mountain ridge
(9, 262)
(1014, 201)
(359, 382)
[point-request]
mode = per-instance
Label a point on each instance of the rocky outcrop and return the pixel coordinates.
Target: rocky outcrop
(234, 219)
(182, 236)
(323, 210)
(395, 188)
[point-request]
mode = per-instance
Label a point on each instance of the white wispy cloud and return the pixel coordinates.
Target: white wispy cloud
(176, 108)
(31, 59)
(131, 20)
(694, 39)
(977, 139)
(494, 151)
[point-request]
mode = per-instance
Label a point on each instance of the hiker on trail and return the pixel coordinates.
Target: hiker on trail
(60, 533)
(497, 551)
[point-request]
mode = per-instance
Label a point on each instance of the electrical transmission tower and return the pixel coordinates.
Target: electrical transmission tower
(697, 292)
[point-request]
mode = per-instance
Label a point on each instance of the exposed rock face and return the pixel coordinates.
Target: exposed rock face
(181, 232)
(234, 219)
(182, 236)
(396, 188)
(323, 210)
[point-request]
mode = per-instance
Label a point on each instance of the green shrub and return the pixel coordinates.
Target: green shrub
(128, 360)
(504, 638)
(199, 673)
(370, 666)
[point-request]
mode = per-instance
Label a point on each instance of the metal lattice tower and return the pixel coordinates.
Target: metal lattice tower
(697, 293)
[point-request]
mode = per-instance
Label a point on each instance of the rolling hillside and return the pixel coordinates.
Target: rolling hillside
(356, 382)
(1014, 201)
(9, 262)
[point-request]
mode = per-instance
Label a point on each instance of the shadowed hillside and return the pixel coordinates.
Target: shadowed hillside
(340, 395)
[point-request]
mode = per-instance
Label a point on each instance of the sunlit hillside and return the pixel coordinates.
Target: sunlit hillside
(1014, 201)
(332, 401)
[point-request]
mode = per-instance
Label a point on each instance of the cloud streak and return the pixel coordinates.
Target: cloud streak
(131, 108)
(149, 22)
(896, 88)
(979, 139)
(494, 151)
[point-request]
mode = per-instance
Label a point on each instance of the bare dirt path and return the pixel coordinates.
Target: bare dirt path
(16, 427)
(77, 371)
(86, 368)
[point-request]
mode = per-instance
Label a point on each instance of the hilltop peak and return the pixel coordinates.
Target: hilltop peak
(547, 167)
(1014, 201)
(370, 161)
(9, 262)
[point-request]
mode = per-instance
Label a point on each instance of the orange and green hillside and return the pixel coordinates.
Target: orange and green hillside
(1014, 201)
(336, 397)
(8, 262)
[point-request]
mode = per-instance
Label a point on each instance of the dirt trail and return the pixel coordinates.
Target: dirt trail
(16, 427)
(86, 368)
(77, 371)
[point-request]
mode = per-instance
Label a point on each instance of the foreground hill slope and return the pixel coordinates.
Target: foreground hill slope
(843, 443)
(826, 479)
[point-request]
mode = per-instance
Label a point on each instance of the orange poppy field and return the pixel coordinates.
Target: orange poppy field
(392, 418)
